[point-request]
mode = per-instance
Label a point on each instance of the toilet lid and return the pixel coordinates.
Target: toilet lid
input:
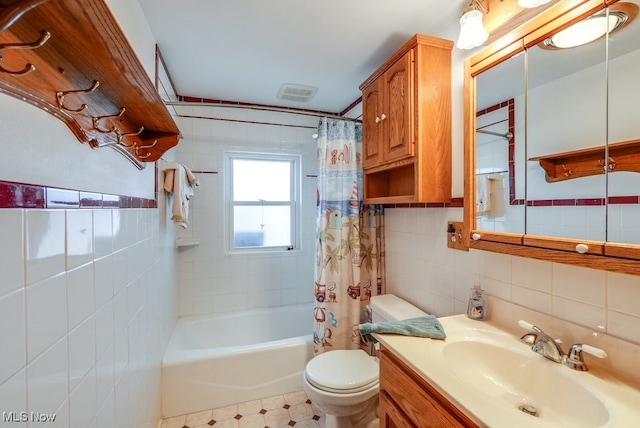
(342, 371)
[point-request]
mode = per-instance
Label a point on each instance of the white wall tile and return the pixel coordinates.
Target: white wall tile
(12, 334)
(45, 244)
(79, 237)
(12, 250)
(82, 351)
(47, 379)
(46, 314)
(13, 395)
(624, 326)
(102, 232)
(579, 284)
(623, 293)
(80, 294)
(532, 273)
(82, 402)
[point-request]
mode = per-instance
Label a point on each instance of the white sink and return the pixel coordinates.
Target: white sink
(523, 381)
(498, 381)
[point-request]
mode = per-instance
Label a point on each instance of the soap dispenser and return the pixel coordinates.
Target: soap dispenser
(477, 309)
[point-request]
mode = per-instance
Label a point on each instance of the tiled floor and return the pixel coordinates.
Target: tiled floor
(280, 411)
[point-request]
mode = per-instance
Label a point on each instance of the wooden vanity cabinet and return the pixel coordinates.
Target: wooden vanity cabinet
(407, 400)
(406, 107)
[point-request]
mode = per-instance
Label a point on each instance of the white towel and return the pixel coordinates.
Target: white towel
(179, 180)
(483, 195)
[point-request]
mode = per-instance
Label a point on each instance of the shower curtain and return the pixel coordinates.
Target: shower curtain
(349, 239)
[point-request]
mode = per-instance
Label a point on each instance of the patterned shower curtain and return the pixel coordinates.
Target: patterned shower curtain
(349, 239)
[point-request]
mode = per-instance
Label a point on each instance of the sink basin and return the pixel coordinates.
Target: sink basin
(491, 376)
(524, 381)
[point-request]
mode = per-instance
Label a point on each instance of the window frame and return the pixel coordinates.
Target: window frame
(294, 203)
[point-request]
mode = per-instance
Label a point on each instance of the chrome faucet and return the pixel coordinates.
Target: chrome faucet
(549, 348)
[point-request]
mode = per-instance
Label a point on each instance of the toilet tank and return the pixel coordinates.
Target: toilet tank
(388, 307)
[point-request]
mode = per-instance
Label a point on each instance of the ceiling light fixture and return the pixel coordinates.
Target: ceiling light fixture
(593, 27)
(472, 31)
(530, 4)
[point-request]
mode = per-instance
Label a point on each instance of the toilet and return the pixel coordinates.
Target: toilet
(344, 384)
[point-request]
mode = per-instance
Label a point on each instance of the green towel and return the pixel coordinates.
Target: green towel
(426, 326)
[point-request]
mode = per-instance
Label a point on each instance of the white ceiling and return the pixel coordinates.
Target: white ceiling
(244, 50)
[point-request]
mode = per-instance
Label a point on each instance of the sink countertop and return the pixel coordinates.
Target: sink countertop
(620, 398)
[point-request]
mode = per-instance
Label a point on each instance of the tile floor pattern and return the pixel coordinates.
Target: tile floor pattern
(280, 411)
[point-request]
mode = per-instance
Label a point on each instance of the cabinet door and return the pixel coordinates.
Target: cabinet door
(390, 415)
(397, 115)
(371, 124)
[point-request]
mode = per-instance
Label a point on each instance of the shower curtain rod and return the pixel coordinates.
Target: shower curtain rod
(507, 135)
(265, 108)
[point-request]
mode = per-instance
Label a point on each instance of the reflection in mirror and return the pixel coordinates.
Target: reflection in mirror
(499, 142)
(566, 112)
(624, 125)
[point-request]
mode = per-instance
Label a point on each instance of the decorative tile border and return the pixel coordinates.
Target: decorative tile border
(455, 203)
(613, 200)
(24, 195)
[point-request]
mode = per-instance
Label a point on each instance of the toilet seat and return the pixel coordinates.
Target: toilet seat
(343, 371)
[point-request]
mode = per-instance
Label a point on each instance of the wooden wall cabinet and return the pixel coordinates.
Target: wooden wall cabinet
(406, 107)
(407, 400)
(71, 59)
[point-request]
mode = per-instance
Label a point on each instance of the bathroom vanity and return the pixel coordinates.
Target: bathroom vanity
(483, 375)
(407, 400)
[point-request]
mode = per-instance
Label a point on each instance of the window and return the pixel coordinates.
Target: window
(262, 201)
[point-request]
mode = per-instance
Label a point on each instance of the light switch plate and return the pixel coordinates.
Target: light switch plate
(455, 231)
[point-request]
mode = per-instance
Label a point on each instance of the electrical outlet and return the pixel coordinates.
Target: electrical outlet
(455, 231)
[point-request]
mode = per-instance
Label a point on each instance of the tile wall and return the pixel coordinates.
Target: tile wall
(423, 270)
(212, 281)
(86, 308)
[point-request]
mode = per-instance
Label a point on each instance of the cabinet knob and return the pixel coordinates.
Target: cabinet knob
(476, 236)
(383, 116)
(378, 120)
(582, 248)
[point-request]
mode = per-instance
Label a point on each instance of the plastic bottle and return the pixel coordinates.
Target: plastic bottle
(477, 309)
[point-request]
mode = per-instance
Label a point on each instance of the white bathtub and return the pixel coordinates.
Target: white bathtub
(217, 360)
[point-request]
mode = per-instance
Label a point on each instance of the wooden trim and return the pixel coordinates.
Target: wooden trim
(563, 244)
(410, 44)
(612, 264)
(623, 156)
(621, 258)
(507, 238)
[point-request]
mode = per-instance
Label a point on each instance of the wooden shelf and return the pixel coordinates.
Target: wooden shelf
(623, 156)
(85, 61)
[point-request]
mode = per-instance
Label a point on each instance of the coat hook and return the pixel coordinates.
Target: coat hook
(14, 12)
(44, 36)
(97, 119)
(148, 146)
(61, 94)
(129, 134)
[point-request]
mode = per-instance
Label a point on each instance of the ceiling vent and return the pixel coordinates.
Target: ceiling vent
(298, 93)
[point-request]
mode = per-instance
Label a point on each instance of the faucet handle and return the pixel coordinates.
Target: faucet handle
(596, 352)
(574, 358)
(527, 325)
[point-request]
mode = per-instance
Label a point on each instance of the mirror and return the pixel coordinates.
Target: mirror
(500, 148)
(623, 209)
(552, 137)
(566, 112)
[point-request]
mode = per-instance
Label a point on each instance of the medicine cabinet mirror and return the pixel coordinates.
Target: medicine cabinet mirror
(552, 141)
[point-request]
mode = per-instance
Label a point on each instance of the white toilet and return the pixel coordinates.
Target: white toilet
(345, 383)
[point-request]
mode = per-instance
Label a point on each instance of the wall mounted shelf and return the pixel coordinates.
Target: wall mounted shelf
(187, 242)
(623, 156)
(71, 59)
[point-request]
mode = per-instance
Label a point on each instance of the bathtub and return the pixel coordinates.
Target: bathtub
(217, 360)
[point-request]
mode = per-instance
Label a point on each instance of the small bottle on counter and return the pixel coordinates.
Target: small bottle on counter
(477, 309)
